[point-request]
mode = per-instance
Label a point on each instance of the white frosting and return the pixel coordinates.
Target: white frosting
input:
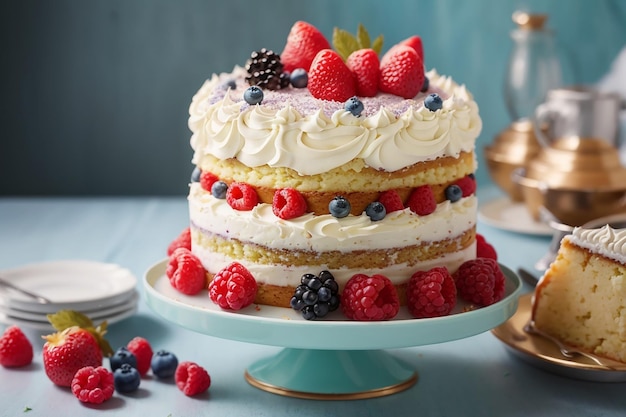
(606, 241)
(281, 276)
(313, 136)
(327, 233)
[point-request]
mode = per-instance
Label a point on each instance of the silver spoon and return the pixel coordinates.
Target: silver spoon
(40, 299)
(527, 276)
(565, 351)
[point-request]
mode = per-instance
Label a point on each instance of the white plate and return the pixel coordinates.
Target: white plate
(94, 315)
(72, 284)
(512, 216)
(47, 327)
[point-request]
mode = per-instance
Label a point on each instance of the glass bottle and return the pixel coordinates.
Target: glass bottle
(534, 66)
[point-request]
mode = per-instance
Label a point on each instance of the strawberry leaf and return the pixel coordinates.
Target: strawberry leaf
(363, 37)
(377, 45)
(99, 333)
(344, 42)
(64, 319)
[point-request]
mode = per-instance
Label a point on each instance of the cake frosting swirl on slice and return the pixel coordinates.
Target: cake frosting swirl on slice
(581, 299)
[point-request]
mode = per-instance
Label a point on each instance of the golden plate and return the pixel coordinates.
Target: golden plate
(544, 354)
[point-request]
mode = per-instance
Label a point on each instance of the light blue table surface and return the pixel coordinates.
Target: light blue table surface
(475, 376)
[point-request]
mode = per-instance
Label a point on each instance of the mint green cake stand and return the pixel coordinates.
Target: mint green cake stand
(330, 359)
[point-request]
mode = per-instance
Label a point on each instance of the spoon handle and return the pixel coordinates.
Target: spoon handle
(40, 299)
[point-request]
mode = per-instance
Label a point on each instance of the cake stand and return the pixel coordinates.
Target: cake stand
(332, 358)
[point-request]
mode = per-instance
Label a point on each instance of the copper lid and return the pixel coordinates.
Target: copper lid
(529, 21)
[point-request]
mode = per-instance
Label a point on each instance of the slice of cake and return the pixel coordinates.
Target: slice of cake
(294, 180)
(581, 299)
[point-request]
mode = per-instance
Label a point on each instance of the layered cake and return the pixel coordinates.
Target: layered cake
(311, 171)
(581, 299)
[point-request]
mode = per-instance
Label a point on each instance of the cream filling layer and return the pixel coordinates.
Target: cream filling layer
(327, 233)
(279, 275)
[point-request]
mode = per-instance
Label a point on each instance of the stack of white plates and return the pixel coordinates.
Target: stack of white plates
(99, 290)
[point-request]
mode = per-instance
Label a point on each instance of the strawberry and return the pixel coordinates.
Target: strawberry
(422, 200)
(330, 78)
(303, 43)
(415, 42)
(365, 66)
(401, 72)
(15, 348)
(76, 344)
(391, 200)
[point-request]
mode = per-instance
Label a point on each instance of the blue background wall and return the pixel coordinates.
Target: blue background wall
(95, 93)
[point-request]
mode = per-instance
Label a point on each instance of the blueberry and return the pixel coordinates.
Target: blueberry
(472, 176)
(376, 211)
(453, 193)
(425, 85)
(354, 106)
(339, 207)
(218, 189)
(122, 356)
(195, 174)
(299, 78)
(253, 95)
(433, 102)
(163, 364)
(126, 378)
(321, 309)
(229, 84)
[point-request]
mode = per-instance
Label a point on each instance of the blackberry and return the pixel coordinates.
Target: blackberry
(316, 296)
(266, 71)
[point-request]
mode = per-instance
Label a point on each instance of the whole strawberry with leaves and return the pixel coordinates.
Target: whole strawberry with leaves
(76, 344)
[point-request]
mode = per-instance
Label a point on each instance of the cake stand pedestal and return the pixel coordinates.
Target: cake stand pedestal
(333, 359)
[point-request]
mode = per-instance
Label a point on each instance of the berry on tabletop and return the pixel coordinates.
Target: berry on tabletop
(93, 385)
(15, 348)
(163, 364)
(67, 351)
(140, 347)
(126, 379)
(122, 356)
(191, 378)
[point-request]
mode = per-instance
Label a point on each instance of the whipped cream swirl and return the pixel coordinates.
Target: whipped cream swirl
(293, 129)
(606, 241)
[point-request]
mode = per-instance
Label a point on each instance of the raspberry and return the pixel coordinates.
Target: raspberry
(484, 249)
(142, 350)
(241, 196)
(233, 288)
(186, 272)
(467, 185)
(288, 203)
(391, 200)
(480, 281)
(191, 378)
(422, 200)
(93, 384)
(431, 293)
(15, 348)
(207, 179)
(182, 241)
(367, 298)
